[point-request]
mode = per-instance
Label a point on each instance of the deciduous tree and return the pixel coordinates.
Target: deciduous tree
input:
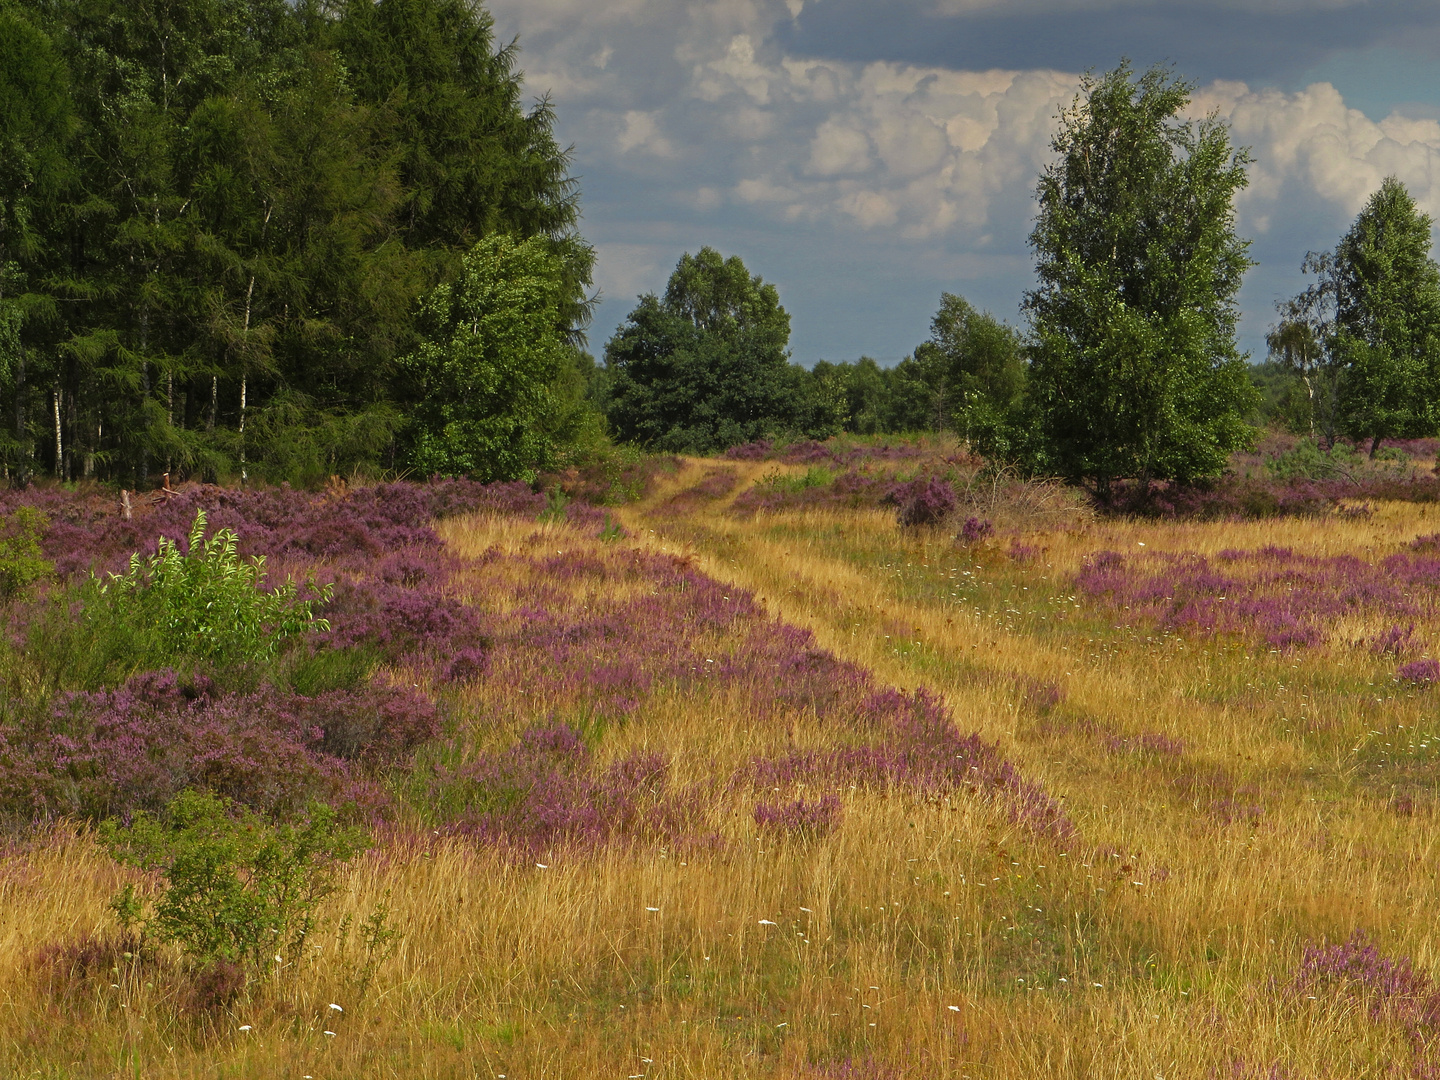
(1134, 369)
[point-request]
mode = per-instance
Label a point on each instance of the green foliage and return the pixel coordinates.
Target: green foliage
(22, 563)
(706, 368)
(496, 388)
(210, 603)
(794, 483)
(1307, 461)
(1134, 370)
(217, 218)
(234, 886)
(555, 502)
(1387, 320)
(974, 372)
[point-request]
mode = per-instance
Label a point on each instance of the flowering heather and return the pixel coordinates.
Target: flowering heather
(1274, 594)
(974, 530)
(133, 748)
(924, 502)
(545, 791)
(1419, 672)
(1391, 988)
(588, 635)
(918, 749)
(1396, 641)
(816, 817)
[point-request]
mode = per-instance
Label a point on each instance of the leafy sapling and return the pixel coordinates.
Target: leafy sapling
(234, 887)
(210, 602)
(22, 563)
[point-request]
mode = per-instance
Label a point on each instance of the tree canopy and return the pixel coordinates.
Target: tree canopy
(1134, 370)
(1387, 319)
(218, 217)
(706, 367)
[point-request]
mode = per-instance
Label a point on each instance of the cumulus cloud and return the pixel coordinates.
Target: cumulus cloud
(693, 121)
(1313, 142)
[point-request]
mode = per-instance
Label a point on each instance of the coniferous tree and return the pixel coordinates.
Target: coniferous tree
(241, 202)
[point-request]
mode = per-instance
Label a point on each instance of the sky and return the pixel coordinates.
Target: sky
(864, 157)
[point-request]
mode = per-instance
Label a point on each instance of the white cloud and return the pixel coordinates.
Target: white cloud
(702, 129)
(1312, 142)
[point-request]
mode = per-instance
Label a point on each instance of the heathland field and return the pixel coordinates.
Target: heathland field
(742, 777)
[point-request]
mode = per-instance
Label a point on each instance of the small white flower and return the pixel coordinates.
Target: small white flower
(337, 1008)
(767, 922)
(244, 1027)
(953, 1008)
(652, 909)
(329, 1033)
(543, 866)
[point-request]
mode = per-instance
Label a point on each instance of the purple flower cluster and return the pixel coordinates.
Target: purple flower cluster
(1275, 594)
(547, 641)
(814, 818)
(1391, 988)
(133, 748)
(918, 749)
(1419, 672)
(923, 502)
(546, 790)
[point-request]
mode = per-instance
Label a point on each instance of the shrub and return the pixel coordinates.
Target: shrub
(21, 560)
(815, 818)
(925, 502)
(1419, 672)
(210, 603)
(236, 889)
(974, 530)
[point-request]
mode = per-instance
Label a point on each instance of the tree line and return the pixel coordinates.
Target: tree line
(233, 231)
(290, 239)
(1127, 367)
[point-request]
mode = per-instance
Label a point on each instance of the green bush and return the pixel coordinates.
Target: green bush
(794, 483)
(234, 887)
(1308, 462)
(21, 562)
(210, 603)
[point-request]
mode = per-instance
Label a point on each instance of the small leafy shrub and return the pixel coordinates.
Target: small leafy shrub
(778, 482)
(556, 500)
(22, 563)
(210, 603)
(235, 889)
(1308, 462)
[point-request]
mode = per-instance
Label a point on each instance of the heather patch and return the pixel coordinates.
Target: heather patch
(1272, 594)
(916, 747)
(1388, 988)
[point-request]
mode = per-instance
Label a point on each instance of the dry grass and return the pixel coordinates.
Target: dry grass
(927, 936)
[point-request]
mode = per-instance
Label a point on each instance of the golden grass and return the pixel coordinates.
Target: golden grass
(927, 936)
